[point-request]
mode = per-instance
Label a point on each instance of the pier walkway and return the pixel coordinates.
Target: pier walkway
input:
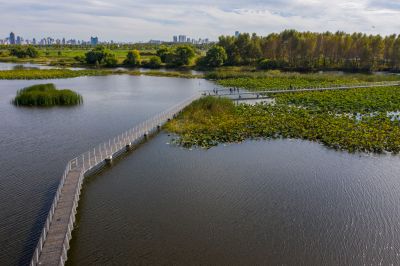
(54, 240)
(244, 95)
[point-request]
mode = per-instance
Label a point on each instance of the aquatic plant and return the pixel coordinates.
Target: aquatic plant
(262, 80)
(50, 73)
(46, 95)
(204, 126)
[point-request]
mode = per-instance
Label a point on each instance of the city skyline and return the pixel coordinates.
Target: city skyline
(124, 21)
(13, 38)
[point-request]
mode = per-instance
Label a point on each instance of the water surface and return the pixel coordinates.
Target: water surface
(36, 143)
(279, 202)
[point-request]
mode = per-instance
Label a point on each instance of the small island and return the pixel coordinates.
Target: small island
(45, 95)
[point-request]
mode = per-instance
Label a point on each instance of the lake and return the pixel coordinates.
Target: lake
(273, 202)
(37, 143)
(279, 202)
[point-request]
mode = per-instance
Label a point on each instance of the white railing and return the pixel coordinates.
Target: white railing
(224, 92)
(96, 157)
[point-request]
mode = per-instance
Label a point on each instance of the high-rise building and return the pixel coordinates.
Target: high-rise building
(175, 39)
(19, 40)
(237, 33)
(63, 41)
(34, 41)
(182, 38)
(12, 38)
(94, 40)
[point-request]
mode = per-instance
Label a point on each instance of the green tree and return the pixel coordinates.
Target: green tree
(154, 62)
(163, 53)
(95, 55)
(22, 52)
(183, 55)
(133, 58)
(110, 59)
(216, 56)
(32, 52)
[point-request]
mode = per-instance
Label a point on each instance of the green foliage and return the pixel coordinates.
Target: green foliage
(133, 58)
(268, 64)
(110, 60)
(101, 56)
(163, 52)
(46, 95)
(215, 57)
(210, 121)
(183, 55)
(22, 52)
(293, 50)
(95, 55)
(153, 62)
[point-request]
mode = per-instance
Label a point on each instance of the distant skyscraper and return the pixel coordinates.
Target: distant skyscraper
(34, 41)
(19, 40)
(94, 40)
(237, 33)
(175, 39)
(12, 38)
(182, 38)
(63, 41)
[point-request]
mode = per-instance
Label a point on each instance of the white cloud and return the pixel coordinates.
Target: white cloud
(126, 20)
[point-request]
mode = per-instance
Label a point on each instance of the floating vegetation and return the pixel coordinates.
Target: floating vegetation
(363, 100)
(210, 121)
(50, 73)
(46, 95)
(258, 80)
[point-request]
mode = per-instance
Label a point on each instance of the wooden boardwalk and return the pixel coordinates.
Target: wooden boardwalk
(53, 243)
(241, 94)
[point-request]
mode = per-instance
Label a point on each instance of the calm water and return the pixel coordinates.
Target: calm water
(259, 202)
(36, 144)
(277, 202)
(11, 66)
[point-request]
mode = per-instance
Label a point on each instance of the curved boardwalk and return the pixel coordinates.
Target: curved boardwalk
(53, 243)
(238, 95)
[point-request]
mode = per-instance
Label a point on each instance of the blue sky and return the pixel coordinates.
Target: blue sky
(141, 20)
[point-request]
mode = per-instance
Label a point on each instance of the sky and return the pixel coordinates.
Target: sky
(142, 20)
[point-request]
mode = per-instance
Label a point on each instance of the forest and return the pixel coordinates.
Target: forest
(308, 51)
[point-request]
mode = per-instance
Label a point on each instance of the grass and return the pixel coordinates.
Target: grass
(45, 95)
(210, 121)
(66, 56)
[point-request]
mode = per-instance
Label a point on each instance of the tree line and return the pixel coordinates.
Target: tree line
(291, 49)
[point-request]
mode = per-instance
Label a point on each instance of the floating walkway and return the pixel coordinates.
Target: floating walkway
(241, 94)
(54, 240)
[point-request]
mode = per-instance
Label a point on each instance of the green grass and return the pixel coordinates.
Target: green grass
(210, 121)
(46, 95)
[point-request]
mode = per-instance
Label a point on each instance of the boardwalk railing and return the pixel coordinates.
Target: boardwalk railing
(95, 158)
(235, 91)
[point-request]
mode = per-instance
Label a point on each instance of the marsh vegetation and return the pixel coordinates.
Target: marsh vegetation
(46, 95)
(338, 119)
